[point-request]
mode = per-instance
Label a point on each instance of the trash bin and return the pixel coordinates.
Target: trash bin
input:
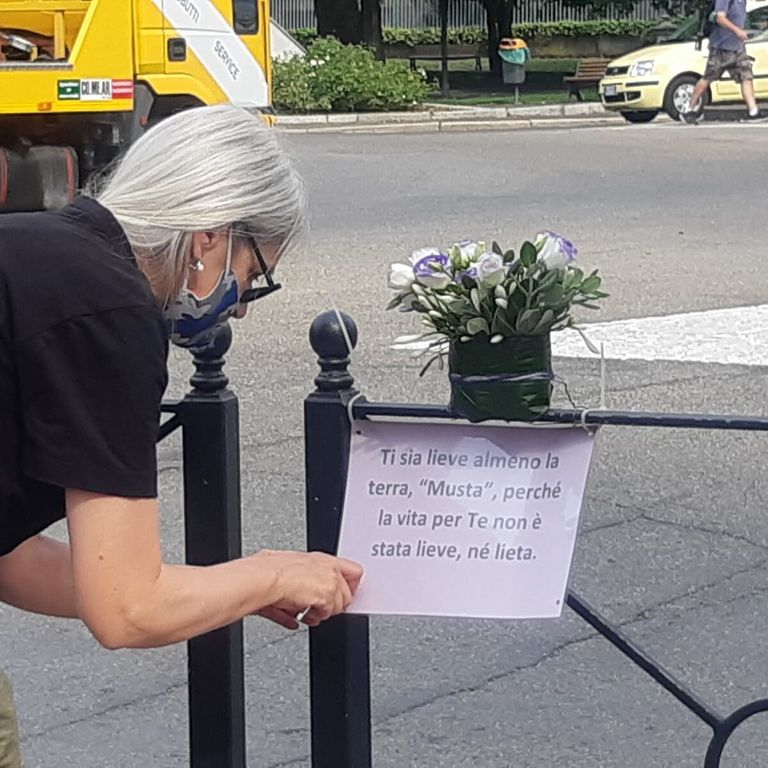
(514, 55)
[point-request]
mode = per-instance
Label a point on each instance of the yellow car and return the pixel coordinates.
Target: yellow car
(661, 77)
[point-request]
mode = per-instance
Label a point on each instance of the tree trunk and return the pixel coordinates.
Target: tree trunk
(339, 18)
(499, 19)
(492, 42)
(371, 24)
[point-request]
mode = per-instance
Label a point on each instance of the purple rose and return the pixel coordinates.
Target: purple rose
(555, 251)
(430, 267)
(471, 272)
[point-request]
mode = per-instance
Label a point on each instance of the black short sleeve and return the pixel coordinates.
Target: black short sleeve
(90, 390)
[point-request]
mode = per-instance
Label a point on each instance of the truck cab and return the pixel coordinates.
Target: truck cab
(80, 80)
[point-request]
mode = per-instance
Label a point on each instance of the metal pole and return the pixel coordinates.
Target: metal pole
(445, 87)
(211, 442)
(340, 696)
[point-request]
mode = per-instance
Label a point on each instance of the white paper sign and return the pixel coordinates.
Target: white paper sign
(460, 520)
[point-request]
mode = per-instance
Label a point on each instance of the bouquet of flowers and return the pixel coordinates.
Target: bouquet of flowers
(470, 291)
(482, 298)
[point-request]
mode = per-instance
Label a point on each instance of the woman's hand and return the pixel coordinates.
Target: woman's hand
(324, 583)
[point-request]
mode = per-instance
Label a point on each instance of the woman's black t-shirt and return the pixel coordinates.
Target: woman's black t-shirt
(83, 351)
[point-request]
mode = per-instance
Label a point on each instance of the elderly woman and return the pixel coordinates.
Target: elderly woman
(185, 233)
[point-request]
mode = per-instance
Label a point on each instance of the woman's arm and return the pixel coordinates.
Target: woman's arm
(128, 597)
(37, 577)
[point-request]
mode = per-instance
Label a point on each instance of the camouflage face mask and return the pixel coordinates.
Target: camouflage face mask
(193, 321)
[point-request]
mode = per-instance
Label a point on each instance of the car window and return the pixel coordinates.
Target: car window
(246, 16)
(685, 31)
(757, 24)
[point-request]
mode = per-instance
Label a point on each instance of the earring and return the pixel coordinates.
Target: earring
(198, 266)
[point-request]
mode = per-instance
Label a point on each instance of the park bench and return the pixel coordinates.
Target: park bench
(455, 53)
(589, 72)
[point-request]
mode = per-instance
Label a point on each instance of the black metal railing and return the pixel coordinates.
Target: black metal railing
(339, 649)
(209, 419)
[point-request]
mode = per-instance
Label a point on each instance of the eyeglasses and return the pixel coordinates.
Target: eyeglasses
(260, 291)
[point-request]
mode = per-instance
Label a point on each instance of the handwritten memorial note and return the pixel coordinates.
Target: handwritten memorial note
(461, 520)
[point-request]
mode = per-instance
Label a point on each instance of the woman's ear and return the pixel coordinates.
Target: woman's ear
(210, 241)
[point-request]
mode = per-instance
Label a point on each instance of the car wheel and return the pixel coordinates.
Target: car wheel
(640, 116)
(678, 96)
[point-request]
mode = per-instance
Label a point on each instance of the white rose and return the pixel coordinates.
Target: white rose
(436, 281)
(490, 269)
(400, 277)
(555, 252)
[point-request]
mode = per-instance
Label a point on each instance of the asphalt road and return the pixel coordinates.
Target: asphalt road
(674, 538)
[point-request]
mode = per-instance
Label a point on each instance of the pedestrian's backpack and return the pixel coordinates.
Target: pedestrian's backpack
(707, 23)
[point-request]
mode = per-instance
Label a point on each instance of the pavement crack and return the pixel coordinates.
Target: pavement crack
(705, 529)
(676, 379)
(612, 524)
(647, 614)
(293, 761)
(108, 710)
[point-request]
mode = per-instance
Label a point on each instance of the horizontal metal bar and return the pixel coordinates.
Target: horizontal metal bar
(34, 66)
(363, 409)
(636, 654)
(168, 426)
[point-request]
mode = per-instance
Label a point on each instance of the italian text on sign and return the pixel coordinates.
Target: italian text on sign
(460, 520)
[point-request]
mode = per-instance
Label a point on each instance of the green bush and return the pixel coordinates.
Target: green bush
(306, 36)
(474, 35)
(431, 36)
(344, 78)
(617, 27)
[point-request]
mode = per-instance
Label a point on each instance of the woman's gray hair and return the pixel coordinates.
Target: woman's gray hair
(203, 169)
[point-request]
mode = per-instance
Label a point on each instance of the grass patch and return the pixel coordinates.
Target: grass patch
(470, 88)
(506, 99)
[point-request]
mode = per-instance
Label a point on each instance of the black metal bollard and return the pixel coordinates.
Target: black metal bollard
(340, 696)
(210, 419)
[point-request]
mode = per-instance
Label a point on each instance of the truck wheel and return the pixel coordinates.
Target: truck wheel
(20, 190)
(42, 178)
(640, 116)
(678, 96)
(58, 171)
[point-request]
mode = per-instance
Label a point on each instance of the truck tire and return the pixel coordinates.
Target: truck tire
(42, 178)
(58, 171)
(20, 190)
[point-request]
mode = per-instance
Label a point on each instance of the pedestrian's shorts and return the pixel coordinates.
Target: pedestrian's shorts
(10, 755)
(736, 63)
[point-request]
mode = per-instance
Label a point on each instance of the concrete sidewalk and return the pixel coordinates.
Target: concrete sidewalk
(439, 118)
(442, 118)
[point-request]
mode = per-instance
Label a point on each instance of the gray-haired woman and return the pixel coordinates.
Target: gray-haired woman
(185, 233)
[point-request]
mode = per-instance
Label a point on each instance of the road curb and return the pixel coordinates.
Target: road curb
(453, 119)
(459, 125)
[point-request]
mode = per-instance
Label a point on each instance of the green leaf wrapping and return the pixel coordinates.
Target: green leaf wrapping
(528, 254)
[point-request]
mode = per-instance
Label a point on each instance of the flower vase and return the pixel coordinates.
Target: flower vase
(509, 381)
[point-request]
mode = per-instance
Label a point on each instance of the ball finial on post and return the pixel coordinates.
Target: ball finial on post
(333, 345)
(209, 361)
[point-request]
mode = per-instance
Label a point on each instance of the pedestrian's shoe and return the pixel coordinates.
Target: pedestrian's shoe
(760, 116)
(690, 118)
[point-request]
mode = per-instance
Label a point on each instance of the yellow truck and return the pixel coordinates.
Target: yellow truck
(80, 80)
